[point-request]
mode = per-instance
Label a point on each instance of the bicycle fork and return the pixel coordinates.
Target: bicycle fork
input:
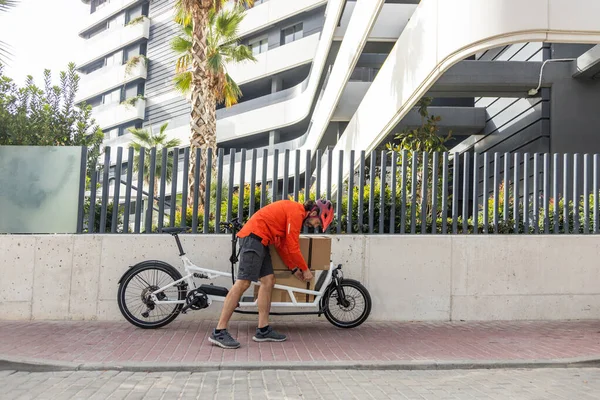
(337, 281)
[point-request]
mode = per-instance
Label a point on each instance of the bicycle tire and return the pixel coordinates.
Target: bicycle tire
(350, 283)
(131, 274)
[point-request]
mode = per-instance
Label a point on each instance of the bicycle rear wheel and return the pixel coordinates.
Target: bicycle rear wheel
(134, 294)
(354, 312)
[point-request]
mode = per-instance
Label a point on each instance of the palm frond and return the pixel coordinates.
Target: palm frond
(223, 47)
(239, 53)
(248, 3)
(227, 23)
(5, 54)
(163, 128)
(3, 49)
(6, 5)
(183, 63)
(215, 63)
(181, 44)
(182, 17)
(231, 91)
(142, 135)
(172, 143)
(183, 82)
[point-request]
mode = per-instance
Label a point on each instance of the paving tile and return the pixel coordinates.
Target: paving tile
(183, 341)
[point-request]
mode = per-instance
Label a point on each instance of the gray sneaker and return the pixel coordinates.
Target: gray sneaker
(269, 336)
(223, 339)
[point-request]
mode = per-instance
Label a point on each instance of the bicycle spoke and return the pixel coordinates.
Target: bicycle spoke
(136, 298)
(347, 314)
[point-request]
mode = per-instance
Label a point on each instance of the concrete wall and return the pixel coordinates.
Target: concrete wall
(410, 278)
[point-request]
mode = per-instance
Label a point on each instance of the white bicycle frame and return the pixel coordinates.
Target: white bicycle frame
(210, 274)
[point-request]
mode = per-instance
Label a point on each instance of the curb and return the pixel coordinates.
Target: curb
(35, 365)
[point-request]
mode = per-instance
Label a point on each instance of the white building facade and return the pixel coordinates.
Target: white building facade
(347, 74)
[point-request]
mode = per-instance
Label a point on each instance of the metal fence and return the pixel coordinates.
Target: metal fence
(388, 193)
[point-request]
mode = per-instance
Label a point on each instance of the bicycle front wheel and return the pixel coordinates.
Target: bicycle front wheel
(354, 310)
(134, 295)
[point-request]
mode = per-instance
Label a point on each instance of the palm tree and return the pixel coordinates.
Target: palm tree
(203, 121)
(223, 48)
(5, 5)
(147, 139)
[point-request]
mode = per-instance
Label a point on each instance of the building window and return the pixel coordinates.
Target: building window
(124, 130)
(132, 90)
(108, 61)
(97, 4)
(291, 34)
(113, 22)
(259, 46)
(114, 59)
(131, 52)
(95, 102)
(111, 134)
(96, 31)
(112, 97)
(95, 66)
(133, 13)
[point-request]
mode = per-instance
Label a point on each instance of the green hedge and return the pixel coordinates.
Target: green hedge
(362, 225)
(223, 214)
(97, 215)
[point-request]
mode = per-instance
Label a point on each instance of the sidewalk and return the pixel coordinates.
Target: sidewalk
(183, 345)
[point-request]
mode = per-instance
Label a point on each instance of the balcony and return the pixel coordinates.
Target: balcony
(389, 25)
(279, 59)
(349, 101)
(263, 15)
(116, 114)
(294, 109)
(100, 16)
(112, 40)
(109, 78)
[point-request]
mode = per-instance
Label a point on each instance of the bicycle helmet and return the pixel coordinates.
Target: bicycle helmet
(325, 209)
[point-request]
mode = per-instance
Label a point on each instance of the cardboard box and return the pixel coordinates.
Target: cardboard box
(320, 253)
(316, 251)
(287, 279)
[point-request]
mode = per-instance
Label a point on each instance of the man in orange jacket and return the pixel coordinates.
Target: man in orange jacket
(279, 224)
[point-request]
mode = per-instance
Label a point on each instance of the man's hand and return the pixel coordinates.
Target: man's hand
(307, 275)
(298, 274)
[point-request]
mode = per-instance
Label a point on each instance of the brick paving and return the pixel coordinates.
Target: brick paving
(547, 384)
(186, 342)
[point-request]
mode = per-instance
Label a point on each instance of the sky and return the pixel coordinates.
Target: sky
(42, 34)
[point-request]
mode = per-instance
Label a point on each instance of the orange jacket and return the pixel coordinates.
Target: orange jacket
(279, 224)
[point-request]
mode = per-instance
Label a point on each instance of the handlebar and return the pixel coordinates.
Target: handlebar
(232, 225)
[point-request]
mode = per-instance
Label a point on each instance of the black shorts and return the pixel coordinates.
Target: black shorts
(255, 260)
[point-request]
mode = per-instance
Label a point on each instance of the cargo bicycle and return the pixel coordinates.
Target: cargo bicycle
(153, 293)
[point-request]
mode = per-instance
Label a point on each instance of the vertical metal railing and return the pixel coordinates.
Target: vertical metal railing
(385, 192)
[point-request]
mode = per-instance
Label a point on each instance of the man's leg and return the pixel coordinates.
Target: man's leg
(264, 333)
(231, 302)
(249, 270)
(264, 299)
(221, 336)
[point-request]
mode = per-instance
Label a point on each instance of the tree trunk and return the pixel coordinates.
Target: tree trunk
(203, 116)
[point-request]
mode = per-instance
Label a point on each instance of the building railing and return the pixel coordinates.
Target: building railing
(388, 193)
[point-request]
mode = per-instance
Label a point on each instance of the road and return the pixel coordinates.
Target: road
(548, 383)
